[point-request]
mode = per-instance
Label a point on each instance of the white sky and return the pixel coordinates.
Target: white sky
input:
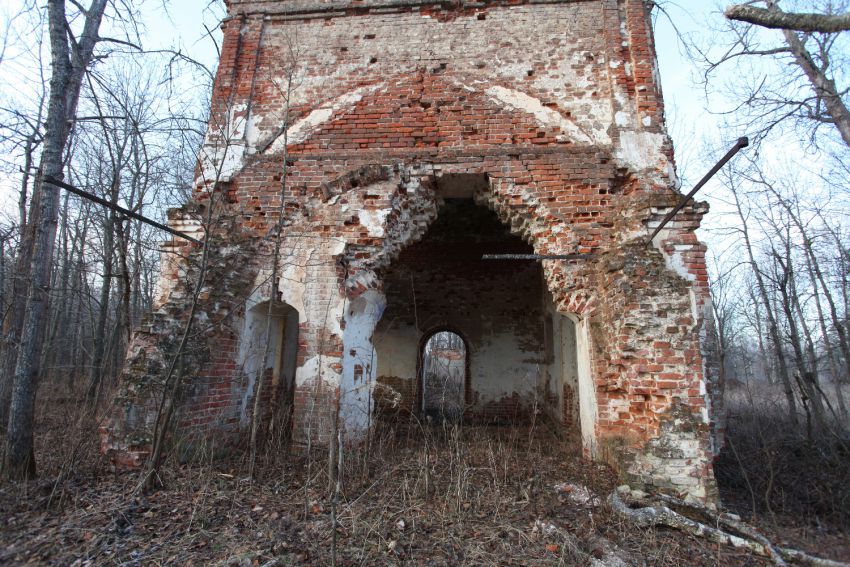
(688, 121)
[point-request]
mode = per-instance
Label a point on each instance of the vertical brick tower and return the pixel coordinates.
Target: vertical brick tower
(398, 141)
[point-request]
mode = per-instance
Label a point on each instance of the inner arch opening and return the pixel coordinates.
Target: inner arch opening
(269, 352)
(498, 307)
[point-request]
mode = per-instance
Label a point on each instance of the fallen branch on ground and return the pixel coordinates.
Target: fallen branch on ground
(647, 515)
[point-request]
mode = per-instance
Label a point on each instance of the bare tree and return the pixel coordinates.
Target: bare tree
(21, 131)
(70, 57)
(764, 297)
(119, 144)
(822, 290)
(794, 78)
(784, 279)
(725, 304)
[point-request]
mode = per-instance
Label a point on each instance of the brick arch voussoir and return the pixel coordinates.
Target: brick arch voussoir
(458, 113)
(413, 208)
(571, 284)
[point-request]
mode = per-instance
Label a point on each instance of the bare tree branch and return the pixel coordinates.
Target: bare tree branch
(766, 18)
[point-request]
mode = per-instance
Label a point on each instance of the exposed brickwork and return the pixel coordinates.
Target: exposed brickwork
(549, 115)
(569, 412)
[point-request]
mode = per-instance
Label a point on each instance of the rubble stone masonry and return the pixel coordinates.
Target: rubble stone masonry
(405, 138)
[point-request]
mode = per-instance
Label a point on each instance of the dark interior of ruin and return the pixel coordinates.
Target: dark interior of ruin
(441, 283)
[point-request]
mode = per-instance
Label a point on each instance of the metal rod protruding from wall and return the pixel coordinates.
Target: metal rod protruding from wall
(536, 256)
(86, 195)
(739, 145)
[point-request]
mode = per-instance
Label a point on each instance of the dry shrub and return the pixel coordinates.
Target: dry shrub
(422, 494)
(771, 468)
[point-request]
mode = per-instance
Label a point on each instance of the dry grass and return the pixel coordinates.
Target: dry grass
(419, 496)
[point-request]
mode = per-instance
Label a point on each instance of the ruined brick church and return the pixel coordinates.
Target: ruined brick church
(398, 142)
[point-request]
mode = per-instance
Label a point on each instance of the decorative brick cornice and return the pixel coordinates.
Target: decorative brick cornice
(332, 8)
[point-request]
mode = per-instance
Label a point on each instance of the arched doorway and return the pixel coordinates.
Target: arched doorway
(269, 352)
(441, 282)
(443, 376)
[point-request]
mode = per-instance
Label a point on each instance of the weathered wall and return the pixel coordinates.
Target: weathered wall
(559, 383)
(388, 99)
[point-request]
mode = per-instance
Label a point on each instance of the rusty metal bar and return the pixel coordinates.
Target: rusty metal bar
(86, 195)
(739, 145)
(536, 257)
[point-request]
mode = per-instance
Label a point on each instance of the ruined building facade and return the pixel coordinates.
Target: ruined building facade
(401, 140)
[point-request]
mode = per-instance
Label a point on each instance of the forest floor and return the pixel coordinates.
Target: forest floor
(418, 496)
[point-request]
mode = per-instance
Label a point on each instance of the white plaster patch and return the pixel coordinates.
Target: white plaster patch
(171, 260)
(364, 279)
(374, 221)
(514, 70)
(545, 116)
(250, 353)
(358, 362)
(674, 261)
(397, 351)
(252, 131)
(315, 368)
(500, 369)
(292, 279)
(302, 129)
(297, 271)
(219, 162)
(223, 151)
(588, 407)
(640, 150)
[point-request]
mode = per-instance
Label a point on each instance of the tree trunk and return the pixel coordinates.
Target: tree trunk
(823, 86)
(775, 19)
(760, 335)
(68, 68)
(773, 328)
(123, 329)
(809, 375)
(96, 372)
(15, 321)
